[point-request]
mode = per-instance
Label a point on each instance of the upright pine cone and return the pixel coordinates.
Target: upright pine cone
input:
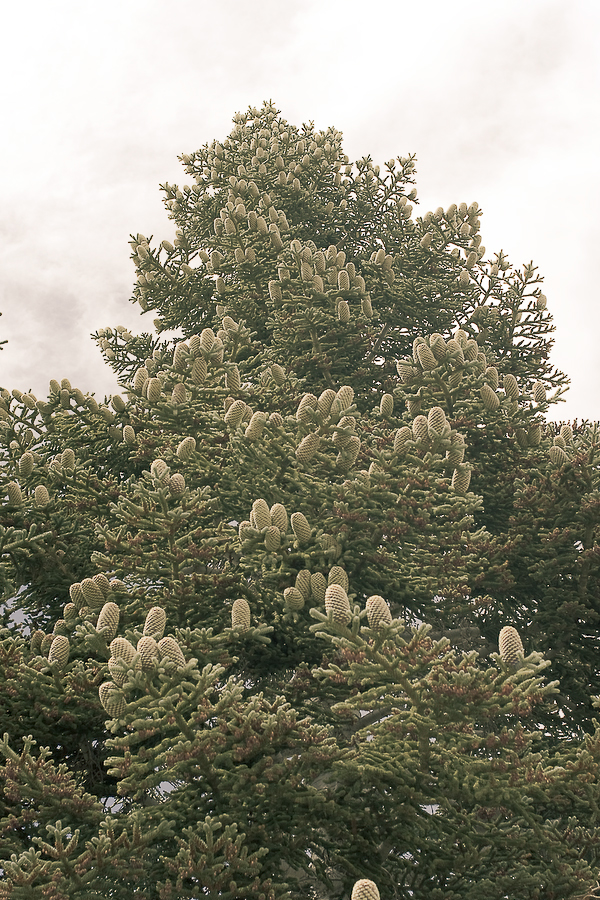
(300, 527)
(386, 406)
(261, 514)
(59, 651)
(437, 424)
(15, 497)
(118, 670)
(365, 890)
(272, 538)
(539, 393)
(420, 428)
(42, 497)
(558, 457)
(199, 371)
(492, 378)
(318, 586)
(186, 448)
(306, 408)
(294, 599)
(170, 651)
(378, 612)
(279, 517)
(511, 387)
(235, 414)
(26, 464)
(108, 620)
(426, 357)
(403, 435)
(337, 604)
(154, 626)
(337, 575)
(490, 399)
(255, 426)
(123, 649)
(103, 583)
(510, 645)
(324, 402)
(112, 699)
(36, 640)
(307, 447)
(303, 583)
(461, 479)
(76, 595)
(345, 397)
(92, 593)
(240, 615)
(177, 484)
(149, 652)
(70, 613)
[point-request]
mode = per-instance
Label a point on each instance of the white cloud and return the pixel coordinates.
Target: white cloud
(498, 101)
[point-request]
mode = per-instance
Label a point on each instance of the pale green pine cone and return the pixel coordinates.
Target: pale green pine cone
(294, 599)
(59, 651)
(240, 615)
(41, 496)
(235, 414)
(94, 596)
(76, 594)
(112, 699)
(149, 652)
(491, 401)
(378, 612)
(401, 437)
(511, 387)
(318, 586)
(306, 409)
(303, 583)
(420, 428)
(325, 402)
(558, 457)
(15, 497)
(108, 621)
(186, 448)
(300, 527)
(26, 464)
(307, 448)
(461, 479)
(261, 514)
(386, 406)
(510, 645)
(337, 575)
(345, 397)
(337, 604)
(272, 538)
(255, 426)
(170, 651)
(365, 890)
(122, 648)
(437, 424)
(426, 357)
(154, 626)
(539, 393)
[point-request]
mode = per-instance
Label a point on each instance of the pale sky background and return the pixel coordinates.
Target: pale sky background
(500, 100)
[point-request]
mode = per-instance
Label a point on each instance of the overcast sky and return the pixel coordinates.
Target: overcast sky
(499, 100)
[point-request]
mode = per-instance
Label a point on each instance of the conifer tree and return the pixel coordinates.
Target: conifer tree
(310, 608)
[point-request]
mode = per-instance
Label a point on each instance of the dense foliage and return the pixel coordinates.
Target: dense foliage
(259, 594)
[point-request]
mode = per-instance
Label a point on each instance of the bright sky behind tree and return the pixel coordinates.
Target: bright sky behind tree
(500, 102)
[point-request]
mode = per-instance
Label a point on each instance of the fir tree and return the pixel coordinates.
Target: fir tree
(311, 607)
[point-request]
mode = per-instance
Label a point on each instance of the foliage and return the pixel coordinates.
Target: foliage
(260, 592)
